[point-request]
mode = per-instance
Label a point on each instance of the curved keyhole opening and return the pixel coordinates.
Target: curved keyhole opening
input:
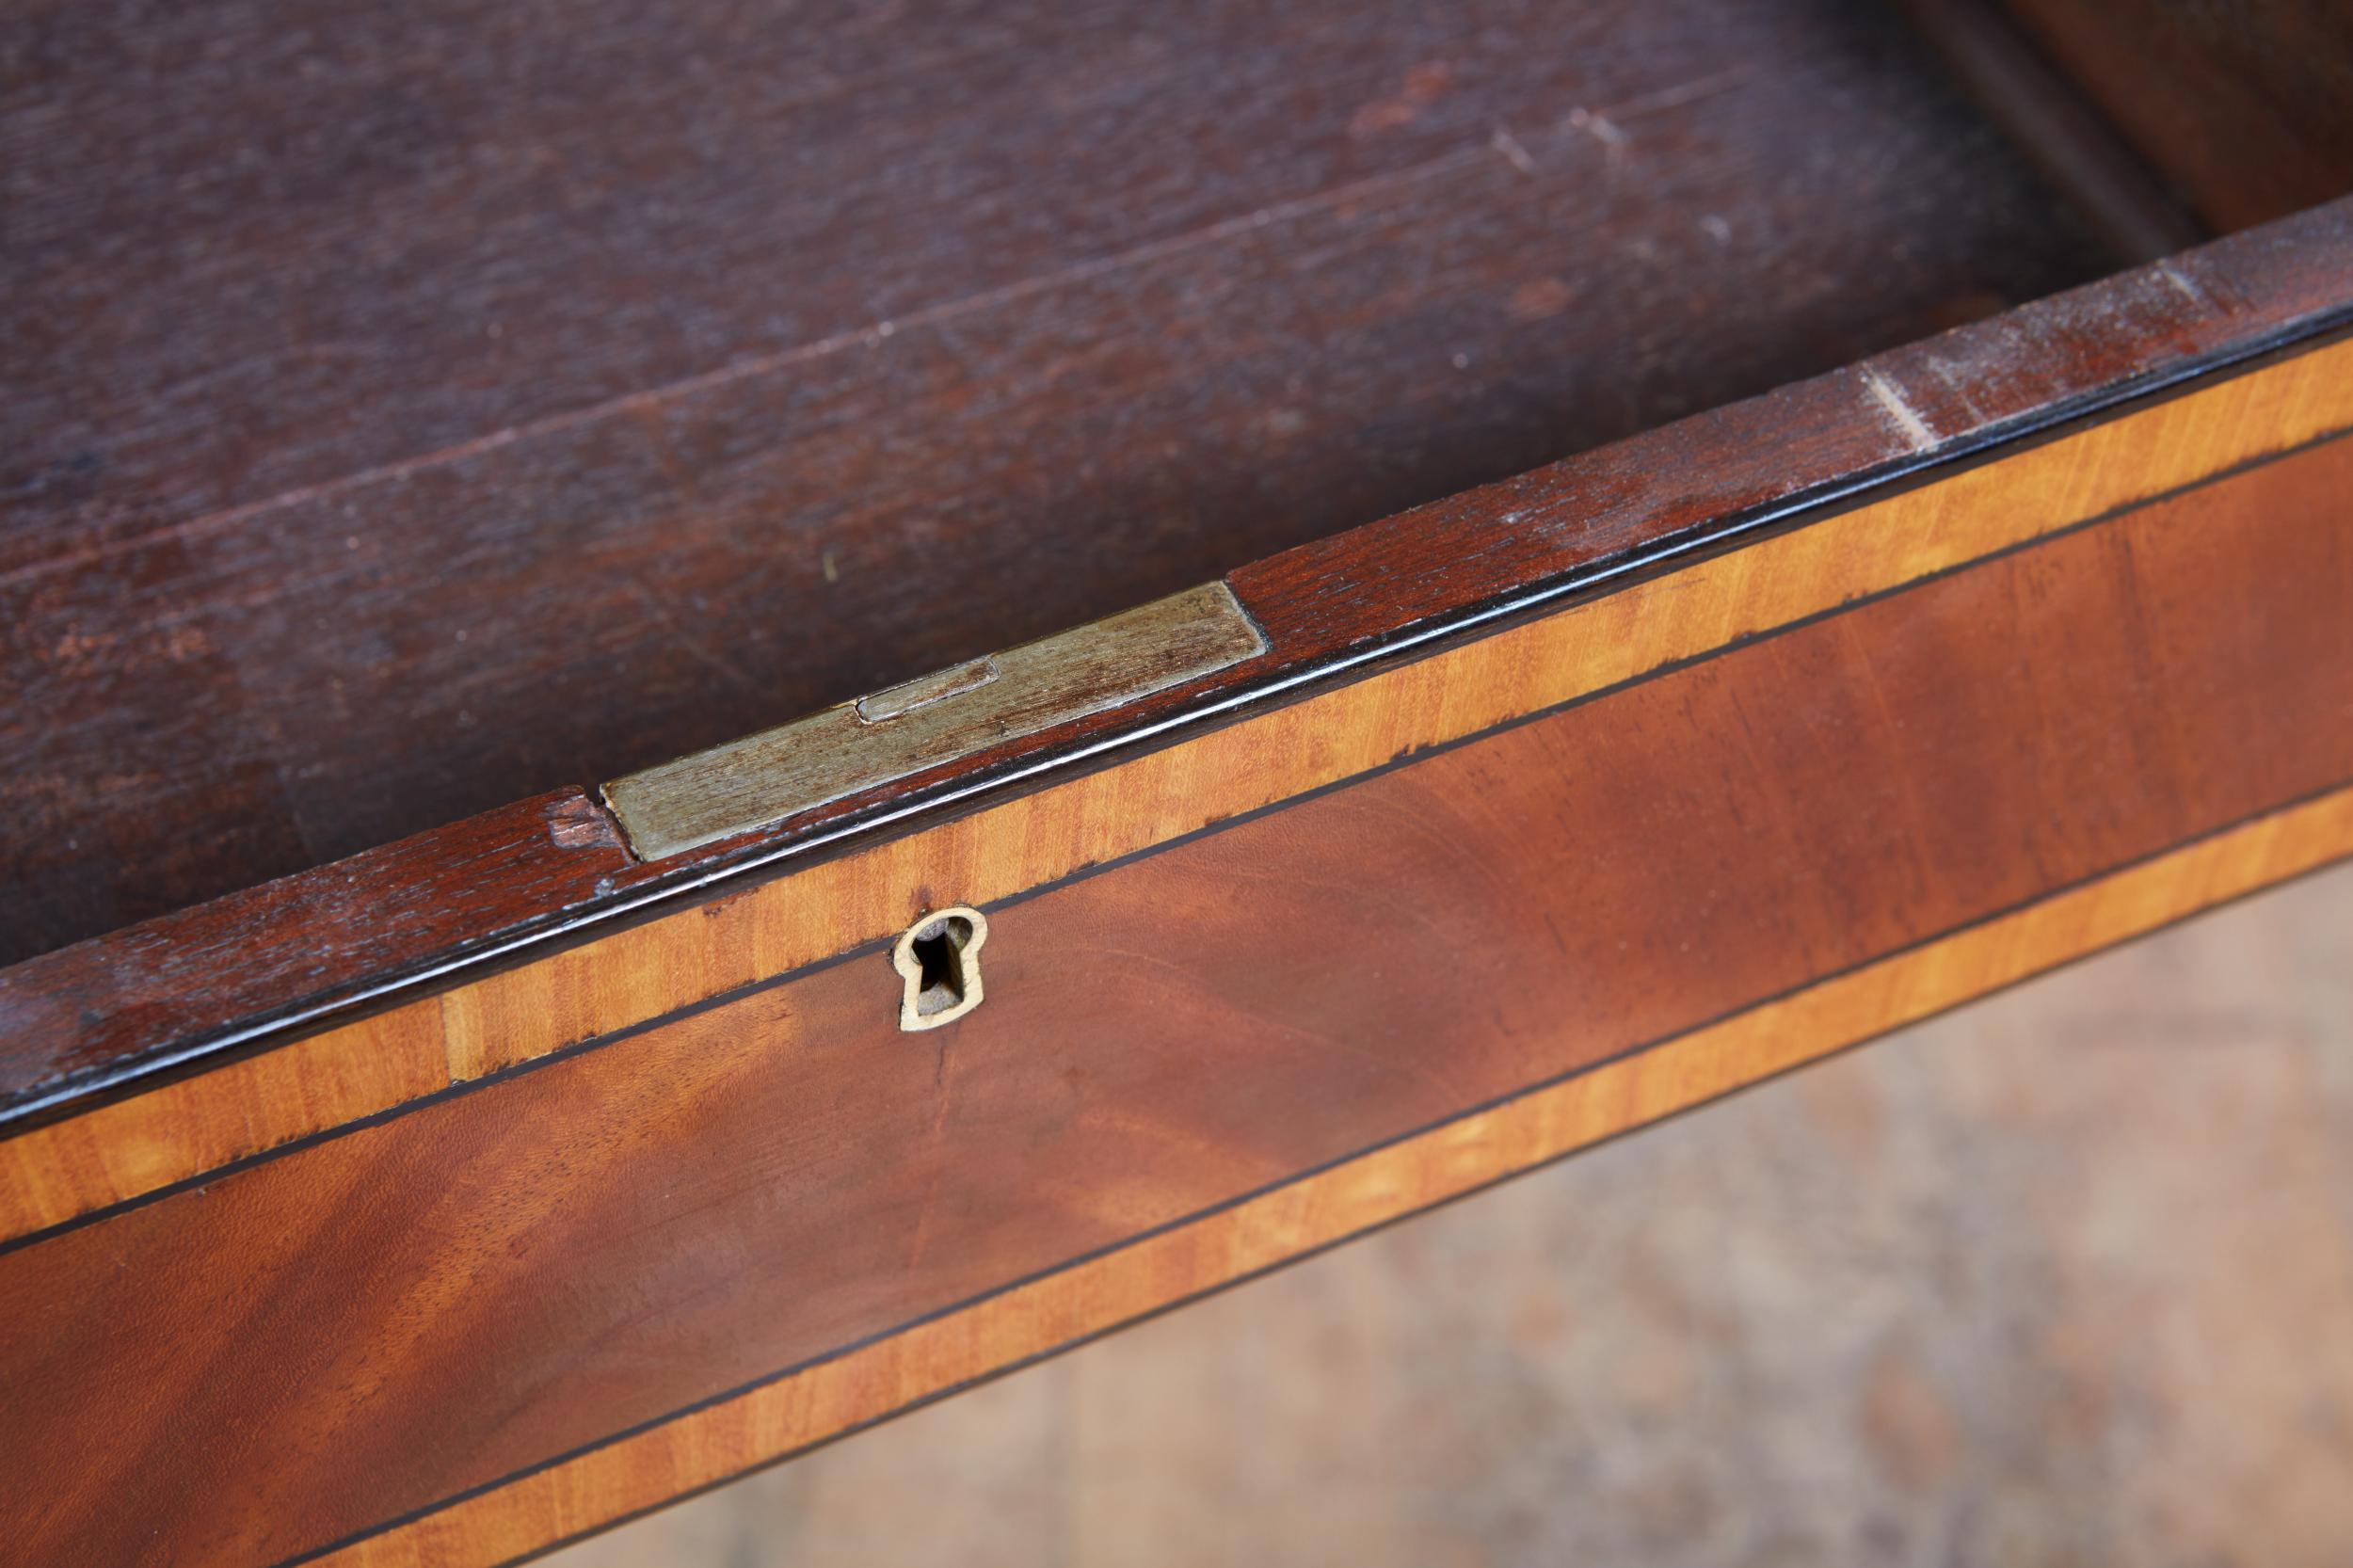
(939, 965)
(939, 959)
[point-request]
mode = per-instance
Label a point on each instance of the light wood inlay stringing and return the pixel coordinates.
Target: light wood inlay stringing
(179, 1131)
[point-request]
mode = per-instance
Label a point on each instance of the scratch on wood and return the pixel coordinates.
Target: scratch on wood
(1675, 97)
(1599, 127)
(2186, 286)
(1914, 428)
(1514, 153)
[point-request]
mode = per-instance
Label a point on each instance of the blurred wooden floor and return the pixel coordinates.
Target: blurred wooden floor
(2064, 1278)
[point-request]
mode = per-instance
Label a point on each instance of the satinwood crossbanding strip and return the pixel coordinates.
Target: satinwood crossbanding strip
(179, 1130)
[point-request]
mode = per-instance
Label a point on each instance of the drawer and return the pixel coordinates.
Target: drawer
(824, 782)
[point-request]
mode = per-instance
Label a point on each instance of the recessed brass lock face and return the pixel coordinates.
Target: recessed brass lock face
(940, 719)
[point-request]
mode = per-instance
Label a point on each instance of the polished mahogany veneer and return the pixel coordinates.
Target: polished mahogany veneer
(1707, 533)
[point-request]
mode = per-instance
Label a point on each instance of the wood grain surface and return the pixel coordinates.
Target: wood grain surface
(391, 441)
(178, 1130)
(771, 1216)
(195, 982)
(2064, 1275)
(2248, 108)
(396, 440)
(2077, 149)
(222, 973)
(869, 1383)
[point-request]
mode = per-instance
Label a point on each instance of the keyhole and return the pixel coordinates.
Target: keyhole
(939, 958)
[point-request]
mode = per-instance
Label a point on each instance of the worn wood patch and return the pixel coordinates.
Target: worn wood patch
(933, 719)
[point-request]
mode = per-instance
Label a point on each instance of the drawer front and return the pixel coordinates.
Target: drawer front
(504, 1313)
